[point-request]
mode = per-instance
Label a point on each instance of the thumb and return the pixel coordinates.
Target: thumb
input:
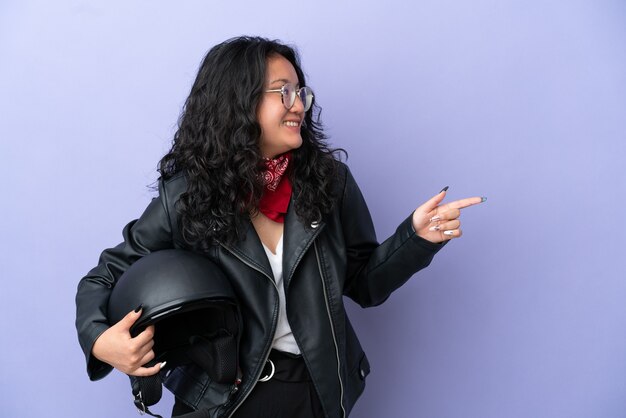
(434, 201)
(130, 318)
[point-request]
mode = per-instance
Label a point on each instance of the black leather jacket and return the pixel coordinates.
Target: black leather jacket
(321, 263)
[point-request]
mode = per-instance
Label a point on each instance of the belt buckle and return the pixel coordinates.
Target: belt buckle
(271, 374)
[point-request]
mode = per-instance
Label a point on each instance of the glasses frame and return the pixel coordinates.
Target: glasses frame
(283, 93)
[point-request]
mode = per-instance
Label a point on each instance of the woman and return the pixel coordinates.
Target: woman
(251, 184)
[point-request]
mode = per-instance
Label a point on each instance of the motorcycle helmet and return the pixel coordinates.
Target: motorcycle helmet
(194, 311)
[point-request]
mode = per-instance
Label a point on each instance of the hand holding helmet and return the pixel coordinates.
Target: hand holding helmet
(188, 317)
(116, 347)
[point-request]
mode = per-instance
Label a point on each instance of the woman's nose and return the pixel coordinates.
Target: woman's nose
(298, 105)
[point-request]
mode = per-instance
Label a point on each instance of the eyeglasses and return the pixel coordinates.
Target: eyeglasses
(288, 94)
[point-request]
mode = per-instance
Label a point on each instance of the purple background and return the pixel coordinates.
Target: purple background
(520, 101)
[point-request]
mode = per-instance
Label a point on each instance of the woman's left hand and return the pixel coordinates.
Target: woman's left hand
(441, 223)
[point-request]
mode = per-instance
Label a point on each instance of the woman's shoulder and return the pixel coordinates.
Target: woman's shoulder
(344, 175)
(342, 171)
(171, 187)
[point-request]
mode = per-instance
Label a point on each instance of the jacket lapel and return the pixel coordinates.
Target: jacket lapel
(250, 250)
(296, 240)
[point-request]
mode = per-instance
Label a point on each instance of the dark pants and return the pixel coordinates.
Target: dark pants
(288, 394)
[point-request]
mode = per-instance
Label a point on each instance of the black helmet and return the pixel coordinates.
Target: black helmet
(194, 311)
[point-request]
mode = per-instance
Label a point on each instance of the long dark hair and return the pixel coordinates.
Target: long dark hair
(217, 146)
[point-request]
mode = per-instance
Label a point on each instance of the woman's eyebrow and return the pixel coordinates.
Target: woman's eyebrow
(284, 80)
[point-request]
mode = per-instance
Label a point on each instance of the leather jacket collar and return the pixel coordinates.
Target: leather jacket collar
(296, 241)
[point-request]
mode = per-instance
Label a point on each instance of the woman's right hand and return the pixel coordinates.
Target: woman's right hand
(116, 347)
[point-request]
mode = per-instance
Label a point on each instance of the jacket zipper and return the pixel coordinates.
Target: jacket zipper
(332, 327)
(274, 320)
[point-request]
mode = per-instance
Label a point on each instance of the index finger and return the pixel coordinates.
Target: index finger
(462, 203)
(145, 336)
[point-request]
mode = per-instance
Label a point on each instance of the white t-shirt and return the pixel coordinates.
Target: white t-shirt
(283, 338)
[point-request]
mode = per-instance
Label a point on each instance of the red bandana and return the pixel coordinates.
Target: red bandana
(277, 191)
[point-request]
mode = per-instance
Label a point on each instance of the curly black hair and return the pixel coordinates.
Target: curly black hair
(216, 146)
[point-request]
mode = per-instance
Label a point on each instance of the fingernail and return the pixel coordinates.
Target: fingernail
(435, 218)
(138, 308)
(434, 228)
(448, 232)
(162, 365)
(445, 189)
(483, 199)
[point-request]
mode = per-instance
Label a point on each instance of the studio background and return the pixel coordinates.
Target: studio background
(520, 101)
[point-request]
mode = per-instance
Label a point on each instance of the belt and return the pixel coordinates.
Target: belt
(285, 367)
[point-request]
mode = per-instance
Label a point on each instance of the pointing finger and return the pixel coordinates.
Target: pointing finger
(462, 203)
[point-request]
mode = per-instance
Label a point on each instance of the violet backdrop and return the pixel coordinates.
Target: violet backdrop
(520, 101)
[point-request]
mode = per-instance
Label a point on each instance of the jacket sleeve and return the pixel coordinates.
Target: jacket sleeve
(375, 270)
(151, 232)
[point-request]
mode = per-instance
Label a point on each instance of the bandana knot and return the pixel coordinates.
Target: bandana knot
(277, 188)
(274, 170)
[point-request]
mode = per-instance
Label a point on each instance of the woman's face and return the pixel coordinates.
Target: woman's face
(280, 127)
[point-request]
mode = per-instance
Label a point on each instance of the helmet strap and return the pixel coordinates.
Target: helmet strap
(147, 392)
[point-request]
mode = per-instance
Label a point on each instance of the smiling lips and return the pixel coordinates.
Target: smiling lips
(291, 123)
